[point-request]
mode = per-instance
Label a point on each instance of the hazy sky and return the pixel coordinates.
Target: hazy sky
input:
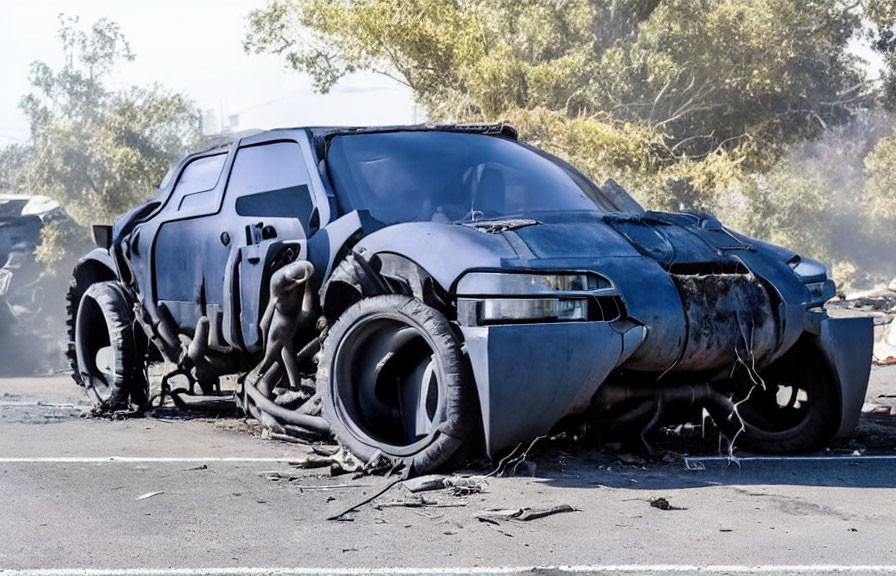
(192, 46)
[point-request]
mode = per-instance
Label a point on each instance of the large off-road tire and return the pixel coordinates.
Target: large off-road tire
(109, 354)
(393, 380)
(798, 410)
(82, 279)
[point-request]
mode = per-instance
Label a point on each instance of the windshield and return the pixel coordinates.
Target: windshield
(448, 177)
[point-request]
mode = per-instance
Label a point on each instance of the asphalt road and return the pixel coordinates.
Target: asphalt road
(195, 495)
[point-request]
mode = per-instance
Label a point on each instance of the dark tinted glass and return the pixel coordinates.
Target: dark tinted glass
(293, 202)
(447, 177)
(271, 181)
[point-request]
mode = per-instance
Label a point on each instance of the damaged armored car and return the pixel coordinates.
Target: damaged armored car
(427, 291)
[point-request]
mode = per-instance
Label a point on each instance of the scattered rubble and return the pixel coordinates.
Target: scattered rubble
(523, 514)
(663, 504)
(149, 495)
(458, 486)
(880, 304)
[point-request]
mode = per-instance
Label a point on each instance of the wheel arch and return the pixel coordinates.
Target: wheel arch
(358, 276)
(96, 266)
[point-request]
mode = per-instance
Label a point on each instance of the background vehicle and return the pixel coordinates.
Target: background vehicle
(442, 282)
(30, 297)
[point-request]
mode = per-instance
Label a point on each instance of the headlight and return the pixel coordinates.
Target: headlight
(532, 310)
(472, 312)
(497, 283)
(486, 298)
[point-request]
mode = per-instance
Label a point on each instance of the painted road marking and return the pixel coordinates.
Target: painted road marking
(698, 463)
(477, 571)
(22, 404)
(138, 459)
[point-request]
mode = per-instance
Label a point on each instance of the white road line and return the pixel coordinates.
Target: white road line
(477, 571)
(22, 404)
(137, 459)
(790, 458)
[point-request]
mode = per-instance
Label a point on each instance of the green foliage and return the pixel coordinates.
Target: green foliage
(704, 73)
(96, 151)
(880, 187)
(12, 159)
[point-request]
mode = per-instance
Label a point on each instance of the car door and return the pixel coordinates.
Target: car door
(269, 212)
(177, 261)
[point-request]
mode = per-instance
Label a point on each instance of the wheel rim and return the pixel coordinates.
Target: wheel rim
(96, 356)
(784, 404)
(386, 384)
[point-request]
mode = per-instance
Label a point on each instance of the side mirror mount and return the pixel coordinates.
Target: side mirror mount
(102, 235)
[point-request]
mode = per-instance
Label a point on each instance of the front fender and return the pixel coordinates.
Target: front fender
(445, 251)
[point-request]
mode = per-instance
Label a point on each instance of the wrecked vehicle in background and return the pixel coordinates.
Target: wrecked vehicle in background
(422, 291)
(29, 305)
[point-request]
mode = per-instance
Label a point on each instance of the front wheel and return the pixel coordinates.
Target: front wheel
(109, 353)
(794, 408)
(392, 379)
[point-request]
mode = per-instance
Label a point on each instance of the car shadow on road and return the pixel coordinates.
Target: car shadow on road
(866, 460)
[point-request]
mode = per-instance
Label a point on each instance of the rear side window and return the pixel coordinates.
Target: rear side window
(197, 182)
(271, 181)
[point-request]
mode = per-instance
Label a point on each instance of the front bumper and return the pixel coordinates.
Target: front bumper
(847, 344)
(530, 376)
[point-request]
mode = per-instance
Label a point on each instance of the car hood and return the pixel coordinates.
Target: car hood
(672, 240)
(684, 243)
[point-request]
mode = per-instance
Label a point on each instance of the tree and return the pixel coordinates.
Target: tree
(12, 159)
(96, 151)
(703, 73)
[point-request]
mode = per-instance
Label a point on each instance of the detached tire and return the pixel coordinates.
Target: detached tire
(798, 410)
(109, 355)
(393, 380)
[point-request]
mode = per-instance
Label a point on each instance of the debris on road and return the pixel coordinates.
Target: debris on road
(425, 483)
(149, 495)
(419, 502)
(458, 485)
(523, 514)
(663, 504)
(368, 500)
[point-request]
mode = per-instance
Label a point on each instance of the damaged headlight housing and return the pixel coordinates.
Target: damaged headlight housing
(486, 298)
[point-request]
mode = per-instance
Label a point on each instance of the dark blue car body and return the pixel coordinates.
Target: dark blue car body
(550, 294)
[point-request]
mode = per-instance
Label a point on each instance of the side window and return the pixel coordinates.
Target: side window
(270, 181)
(196, 185)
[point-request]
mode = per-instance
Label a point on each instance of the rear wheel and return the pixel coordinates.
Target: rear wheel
(109, 354)
(392, 380)
(84, 277)
(797, 409)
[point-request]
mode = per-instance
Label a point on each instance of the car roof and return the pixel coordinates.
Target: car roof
(498, 129)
